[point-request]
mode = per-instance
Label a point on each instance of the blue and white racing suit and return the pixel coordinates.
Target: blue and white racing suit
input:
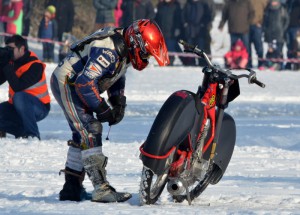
(80, 79)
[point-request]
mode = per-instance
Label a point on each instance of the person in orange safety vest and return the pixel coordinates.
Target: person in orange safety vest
(29, 100)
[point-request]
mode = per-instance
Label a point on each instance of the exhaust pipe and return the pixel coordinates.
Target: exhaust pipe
(175, 187)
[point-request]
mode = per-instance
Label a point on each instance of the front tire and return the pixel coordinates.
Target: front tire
(201, 186)
(151, 186)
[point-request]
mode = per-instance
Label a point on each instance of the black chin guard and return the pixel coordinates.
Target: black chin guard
(120, 45)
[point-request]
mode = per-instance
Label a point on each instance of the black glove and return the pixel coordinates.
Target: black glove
(119, 104)
(104, 113)
(6, 55)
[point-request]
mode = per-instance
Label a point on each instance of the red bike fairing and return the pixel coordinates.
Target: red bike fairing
(209, 101)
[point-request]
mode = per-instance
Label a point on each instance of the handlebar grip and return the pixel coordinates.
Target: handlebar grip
(255, 81)
(187, 46)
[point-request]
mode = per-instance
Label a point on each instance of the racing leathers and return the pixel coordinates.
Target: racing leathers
(96, 64)
(80, 79)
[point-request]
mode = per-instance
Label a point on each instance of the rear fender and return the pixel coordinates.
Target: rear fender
(177, 118)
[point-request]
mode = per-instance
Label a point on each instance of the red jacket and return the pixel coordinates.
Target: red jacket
(15, 6)
(237, 58)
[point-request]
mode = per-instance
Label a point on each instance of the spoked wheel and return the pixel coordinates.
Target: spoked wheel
(151, 186)
(200, 187)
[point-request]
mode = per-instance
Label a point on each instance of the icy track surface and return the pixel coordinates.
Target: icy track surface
(262, 178)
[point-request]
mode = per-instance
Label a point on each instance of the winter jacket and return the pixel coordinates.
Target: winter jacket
(48, 32)
(192, 18)
(237, 59)
(136, 9)
(259, 7)
(239, 14)
(270, 63)
(27, 9)
(275, 23)
(209, 13)
(64, 15)
(294, 13)
(172, 21)
(13, 16)
(105, 10)
(118, 13)
(23, 74)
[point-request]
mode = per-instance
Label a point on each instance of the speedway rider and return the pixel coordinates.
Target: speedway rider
(96, 64)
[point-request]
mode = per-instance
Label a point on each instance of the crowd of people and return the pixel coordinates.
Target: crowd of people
(274, 22)
(254, 22)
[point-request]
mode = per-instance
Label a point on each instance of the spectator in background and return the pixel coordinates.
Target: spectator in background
(295, 52)
(239, 14)
(255, 34)
(237, 57)
(104, 13)
(118, 13)
(64, 49)
(3, 4)
(27, 12)
(293, 7)
(276, 21)
(64, 15)
(205, 28)
(271, 62)
(48, 31)
(136, 9)
(29, 100)
(170, 24)
(13, 16)
(192, 19)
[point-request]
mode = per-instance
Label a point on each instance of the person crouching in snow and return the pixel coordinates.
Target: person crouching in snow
(237, 57)
(271, 62)
(97, 64)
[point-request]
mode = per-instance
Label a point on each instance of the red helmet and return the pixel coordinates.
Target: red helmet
(144, 38)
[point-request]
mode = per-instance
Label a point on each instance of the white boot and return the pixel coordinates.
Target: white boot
(94, 164)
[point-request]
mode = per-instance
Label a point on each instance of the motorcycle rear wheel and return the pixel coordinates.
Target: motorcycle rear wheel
(151, 186)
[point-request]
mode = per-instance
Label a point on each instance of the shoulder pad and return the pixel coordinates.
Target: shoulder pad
(120, 45)
(97, 35)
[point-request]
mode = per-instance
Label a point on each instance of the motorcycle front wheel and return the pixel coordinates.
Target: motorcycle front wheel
(201, 186)
(151, 186)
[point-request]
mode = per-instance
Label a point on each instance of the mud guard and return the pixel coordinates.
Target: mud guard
(224, 148)
(177, 118)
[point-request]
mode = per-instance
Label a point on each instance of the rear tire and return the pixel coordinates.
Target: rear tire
(151, 186)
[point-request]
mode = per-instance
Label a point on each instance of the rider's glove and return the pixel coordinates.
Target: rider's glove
(119, 104)
(104, 113)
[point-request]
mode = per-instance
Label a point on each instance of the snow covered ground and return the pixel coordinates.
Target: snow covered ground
(262, 178)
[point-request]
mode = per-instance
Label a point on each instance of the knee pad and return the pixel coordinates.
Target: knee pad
(95, 127)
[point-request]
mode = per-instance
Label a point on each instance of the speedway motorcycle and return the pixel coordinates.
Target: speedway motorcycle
(192, 139)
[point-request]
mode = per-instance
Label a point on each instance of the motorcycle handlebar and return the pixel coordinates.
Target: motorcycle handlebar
(255, 81)
(194, 49)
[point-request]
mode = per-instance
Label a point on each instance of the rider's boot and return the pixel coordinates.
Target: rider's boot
(73, 189)
(94, 164)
